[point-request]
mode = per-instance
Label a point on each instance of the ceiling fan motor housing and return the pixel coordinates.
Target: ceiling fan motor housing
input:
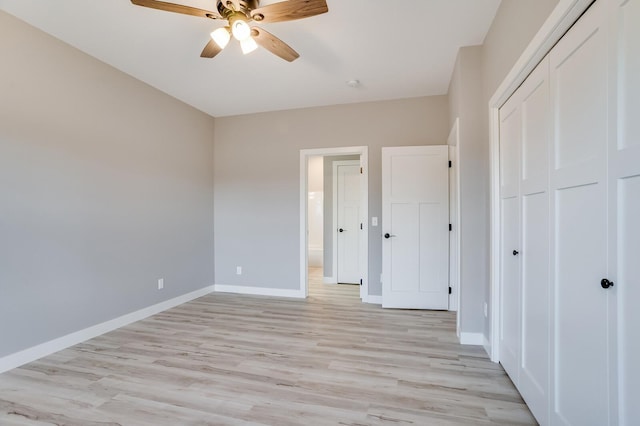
(226, 6)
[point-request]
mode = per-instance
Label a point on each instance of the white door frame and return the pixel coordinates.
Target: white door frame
(454, 194)
(363, 152)
(559, 21)
(335, 215)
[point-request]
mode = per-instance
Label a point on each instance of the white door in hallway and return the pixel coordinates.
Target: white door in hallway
(415, 227)
(348, 176)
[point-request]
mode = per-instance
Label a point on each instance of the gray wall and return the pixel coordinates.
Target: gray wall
(106, 185)
(329, 228)
(257, 179)
(474, 189)
(479, 71)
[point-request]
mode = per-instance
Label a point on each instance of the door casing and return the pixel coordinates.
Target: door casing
(363, 152)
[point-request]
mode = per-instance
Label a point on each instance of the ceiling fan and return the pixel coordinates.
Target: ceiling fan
(238, 14)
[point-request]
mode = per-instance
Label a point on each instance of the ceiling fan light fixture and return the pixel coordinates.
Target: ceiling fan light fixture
(221, 36)
(248, 45)
(240, 29)
(239, 14)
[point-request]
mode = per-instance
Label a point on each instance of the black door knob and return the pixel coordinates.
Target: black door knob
(605, 283)
(340, 230)
(387, 235)
(515, 252)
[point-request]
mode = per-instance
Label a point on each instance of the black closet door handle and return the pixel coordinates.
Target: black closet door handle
(388, 235)
(516, 252)
(341, 230)
(605, 283)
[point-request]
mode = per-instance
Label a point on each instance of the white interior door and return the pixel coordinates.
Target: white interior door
(624, 205)
(415, 223)
(581, 356)
(348, 230)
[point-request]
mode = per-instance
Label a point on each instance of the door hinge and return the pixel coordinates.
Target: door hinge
(449, 290)
(450, 227)
(449, 163)
(360, 170)
(361, 227)
(360, 281)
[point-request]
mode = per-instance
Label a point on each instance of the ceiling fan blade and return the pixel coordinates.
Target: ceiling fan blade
(177, 8)
(274, 45)
(289, 10)
(210, 50)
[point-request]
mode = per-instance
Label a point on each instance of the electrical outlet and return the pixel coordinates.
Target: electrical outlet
(486, 309)
(238, 270)
(160, 283)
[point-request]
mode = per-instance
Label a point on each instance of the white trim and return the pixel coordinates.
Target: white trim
(494, 226)
(454, 141)
(559, 21)
(259, 291)
(329, 280)
(363, 152)
(33, 353)
(374, 300)
(304, 222)
(472, 339)
(334, 174)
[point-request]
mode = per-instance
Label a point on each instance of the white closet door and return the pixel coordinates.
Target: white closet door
(580, 359)
(535, 291)
(624, 204)
(525, 295)
(510, 139)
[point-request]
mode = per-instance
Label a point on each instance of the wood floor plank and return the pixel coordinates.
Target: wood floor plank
(227, 359)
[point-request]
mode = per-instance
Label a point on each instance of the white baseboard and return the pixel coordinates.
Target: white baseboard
(33, 353)
(471, 338)
(374, 300)
(259, 291)
(329, 280)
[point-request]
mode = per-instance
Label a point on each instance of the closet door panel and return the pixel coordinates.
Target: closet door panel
(534, 191)
(535, 363)
(629, 85)
(535, 131)
(510, 140)
(628, 282)
(580, 312)
(579, 223)
(580, 79)
(624, 177)
(510, 288)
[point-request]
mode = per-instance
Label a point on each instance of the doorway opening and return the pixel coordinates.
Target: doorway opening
(319, 233)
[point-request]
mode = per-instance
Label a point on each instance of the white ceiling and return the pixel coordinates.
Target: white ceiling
(396, 49)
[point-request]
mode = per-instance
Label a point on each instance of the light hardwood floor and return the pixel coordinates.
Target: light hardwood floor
(228, 359)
